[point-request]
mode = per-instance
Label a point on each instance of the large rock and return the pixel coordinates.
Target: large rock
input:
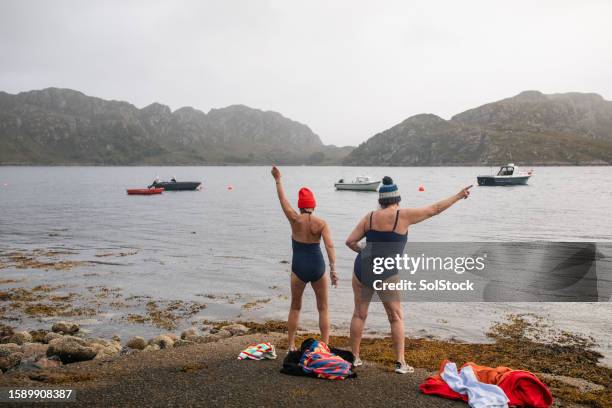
(65, 327)
(47, 363)
(51, 336)
(236, 329)
(181, 342)
(38, 336)
(152, 347)
(210, 337)
(34, 351)
(105, 348)
(71, 349)
(5, 331)
(10, 355)
(162, 341)
(137, 343)
(581, 385)
(10, 360)
(190, 334)
(8, 348)
(20, 337)
(223, 334)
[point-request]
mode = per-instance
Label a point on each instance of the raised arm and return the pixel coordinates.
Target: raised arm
(291, 214)
(416, 215)
(356, 235)
(331, 253)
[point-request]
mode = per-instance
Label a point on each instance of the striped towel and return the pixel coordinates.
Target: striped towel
(258, 351)
(320, 361)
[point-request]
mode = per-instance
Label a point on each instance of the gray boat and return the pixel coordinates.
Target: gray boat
(174, 185)
(508, 175)
(360, 183)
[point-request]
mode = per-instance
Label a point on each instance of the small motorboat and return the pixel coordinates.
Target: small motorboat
(360, 183)
(144, 191)
(508, 175)
(174, 185)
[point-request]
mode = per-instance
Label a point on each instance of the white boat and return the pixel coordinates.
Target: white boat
(360, 183)
(508, 175)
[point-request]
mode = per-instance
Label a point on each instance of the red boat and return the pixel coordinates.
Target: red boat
(144, 191)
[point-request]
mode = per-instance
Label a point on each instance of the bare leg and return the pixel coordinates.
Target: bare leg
(297, 290)
(321, 290)
(395, 313)
(362, 295)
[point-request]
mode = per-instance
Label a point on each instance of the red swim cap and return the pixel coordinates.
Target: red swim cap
(306, 198)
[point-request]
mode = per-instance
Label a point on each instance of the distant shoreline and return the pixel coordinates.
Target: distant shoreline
(292, 165)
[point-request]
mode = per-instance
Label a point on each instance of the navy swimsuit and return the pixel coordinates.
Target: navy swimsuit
(379, 244)
(307, 263)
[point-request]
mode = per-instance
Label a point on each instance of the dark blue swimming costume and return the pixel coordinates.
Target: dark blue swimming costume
(307, 262)
(379, 244)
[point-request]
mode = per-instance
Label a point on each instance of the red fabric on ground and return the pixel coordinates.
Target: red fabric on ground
(524, 388)
(521, 387)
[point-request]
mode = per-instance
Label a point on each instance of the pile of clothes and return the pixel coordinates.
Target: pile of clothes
(258, 351)
(316, 359)
(482, 386)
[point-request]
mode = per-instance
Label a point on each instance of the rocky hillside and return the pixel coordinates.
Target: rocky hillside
(530, 128)
(62, 126)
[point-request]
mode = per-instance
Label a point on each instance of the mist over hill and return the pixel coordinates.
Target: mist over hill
(530, 128)
(63, 126)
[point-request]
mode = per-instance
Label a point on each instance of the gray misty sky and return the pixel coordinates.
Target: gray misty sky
(348, 69)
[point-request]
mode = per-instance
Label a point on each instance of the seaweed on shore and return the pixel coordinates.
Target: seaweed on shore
(269, 326)
(522, 342)
(38, 259)
(256, 304)
(166, 314)
(40, 301)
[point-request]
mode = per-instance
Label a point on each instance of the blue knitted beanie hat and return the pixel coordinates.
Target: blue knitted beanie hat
(388, 193)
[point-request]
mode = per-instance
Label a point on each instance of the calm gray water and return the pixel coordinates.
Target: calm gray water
(231, 243)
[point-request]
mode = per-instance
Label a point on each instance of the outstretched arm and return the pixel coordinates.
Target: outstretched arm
(331, 253)
(356, 235)
(291, 214)
(416, 215)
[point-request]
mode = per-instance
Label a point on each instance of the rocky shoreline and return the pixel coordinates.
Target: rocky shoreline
(178, 367)
(65, 344)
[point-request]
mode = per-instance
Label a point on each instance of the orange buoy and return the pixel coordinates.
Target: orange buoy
(421, 188)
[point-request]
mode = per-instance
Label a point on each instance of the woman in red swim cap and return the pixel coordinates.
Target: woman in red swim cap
(307, 265)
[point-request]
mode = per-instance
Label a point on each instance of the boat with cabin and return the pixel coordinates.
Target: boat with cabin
(359, 183)
(508, 175)
(174, 185)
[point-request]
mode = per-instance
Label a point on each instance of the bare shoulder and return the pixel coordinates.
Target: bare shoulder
(407, 213)
(320, 222)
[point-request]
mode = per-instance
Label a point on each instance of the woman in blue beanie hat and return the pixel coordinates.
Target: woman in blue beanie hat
(386, 233)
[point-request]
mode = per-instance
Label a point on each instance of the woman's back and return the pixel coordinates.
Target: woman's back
(307, 228)
(386, 220)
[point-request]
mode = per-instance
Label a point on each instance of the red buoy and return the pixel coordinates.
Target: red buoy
(421, 188)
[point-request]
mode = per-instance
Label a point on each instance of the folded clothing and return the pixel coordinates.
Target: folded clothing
(258, 351)
(521, 387)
